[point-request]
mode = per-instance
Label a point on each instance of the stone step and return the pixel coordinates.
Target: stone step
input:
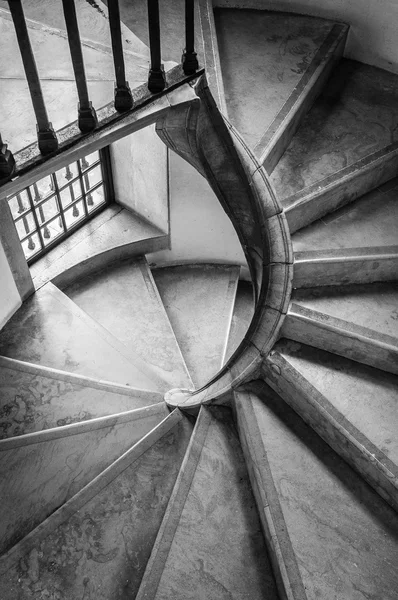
(371, 221)
(284, 60)
(373, 306)
(199, 300)
(50, 329)
(212, 504)
(94, 247)
(98, 543)
(124, 299)
(34, 398)
(351, 406)
(346, 146)
(331, 536)
(41, 471)
(362, 344)
(344, 266)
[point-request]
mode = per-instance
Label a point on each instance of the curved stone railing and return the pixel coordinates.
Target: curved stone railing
(201, 135)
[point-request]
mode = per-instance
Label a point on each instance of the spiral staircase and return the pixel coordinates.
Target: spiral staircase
(271, 469)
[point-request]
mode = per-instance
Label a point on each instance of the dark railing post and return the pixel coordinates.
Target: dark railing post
(7, 161)
(189, 59)
(47, 139)
(156, 80)
(87, 119)
(123, 96)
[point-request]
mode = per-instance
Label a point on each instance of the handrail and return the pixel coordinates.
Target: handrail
(123, 99)
(199, 133)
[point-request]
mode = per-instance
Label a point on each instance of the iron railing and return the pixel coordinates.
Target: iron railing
(123, 98)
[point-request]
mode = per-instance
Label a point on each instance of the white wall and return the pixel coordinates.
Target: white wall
(200, 229)
(373, 36)
(10, 299)
(139, 165)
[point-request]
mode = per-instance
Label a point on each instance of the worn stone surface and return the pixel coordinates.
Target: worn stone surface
(355, 116)
(367, 397)
(199, 301)
(113, 234)
(372, 305)
(228, 559)
(48, 331)
(30, 402)
(266, 53)
(124, 299)
(372, 220)
(345, 537)
(102, 550)
(37, 478)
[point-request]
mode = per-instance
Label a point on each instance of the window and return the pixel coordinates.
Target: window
(50, 209)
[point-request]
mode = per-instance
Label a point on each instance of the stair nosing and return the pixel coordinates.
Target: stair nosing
(83, 380)
(54, 433)
(90, 490)
(346, 437)
(319, 64)
(164, 539)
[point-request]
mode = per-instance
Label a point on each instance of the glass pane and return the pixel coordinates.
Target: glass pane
(95, 198)
(19, 204)
(52, 230)
(44, 187)
(66, 174)
(74, 214)
(71, 193)
(92, 178)
(31, 246)
(47, 210)
(89, 160)
(25, 225)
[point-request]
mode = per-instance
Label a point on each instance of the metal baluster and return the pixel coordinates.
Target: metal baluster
(7, 161)
(89, 198)
(156, 80)
(54, 186)
(123, 96)
(68, 173)
(189, 59)
(87, 119)
(36, 220)
(47, 139)
(21, 209)
(75, 210)
(37, 199)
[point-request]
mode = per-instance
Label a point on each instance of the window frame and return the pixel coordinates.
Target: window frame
(106, 182)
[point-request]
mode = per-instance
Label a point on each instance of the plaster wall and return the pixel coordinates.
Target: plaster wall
(373, 24)
(200, 229)
(139, 165)
(10, 300)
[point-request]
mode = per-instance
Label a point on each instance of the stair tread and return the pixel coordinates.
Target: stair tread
(241, 318)
(96, 238)
(343, 535)
(32, 402)
(370, 221)
(46, 471)
(373, 306)
(102, 548)
(46, 41)
(124, 299)
(93, 22)
(228, 559)
(356, 115)
(50, 329)
(268, 54)
(365, 396)
(199, 301)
